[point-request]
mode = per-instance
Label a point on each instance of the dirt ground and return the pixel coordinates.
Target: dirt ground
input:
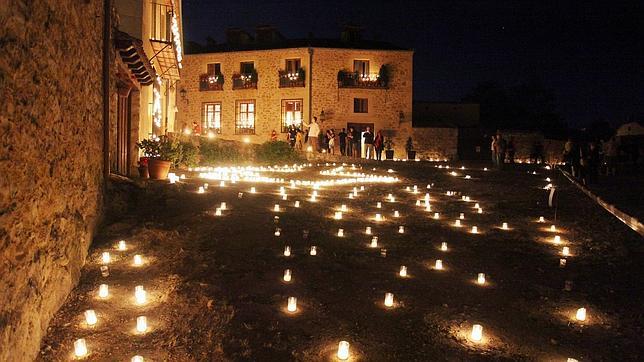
(215, 289)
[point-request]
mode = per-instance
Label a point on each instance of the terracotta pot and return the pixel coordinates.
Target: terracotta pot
(411, 155)
(158, 169)
(389, 154)
(143, 172)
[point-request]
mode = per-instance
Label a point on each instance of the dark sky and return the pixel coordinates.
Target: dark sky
(590, 54)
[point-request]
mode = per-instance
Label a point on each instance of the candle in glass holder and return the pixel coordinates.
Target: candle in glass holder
(313, 251)
(504, 226)
(428, 208)
(284, 197)
(457, 223)
(138, 260)
(480, 211)
(217, 212)
(475, 230)
(90, 317)
(278, 232)
(565, 251)
(417, 202)
(443, 246)
(341, 232)
(436, 216)
(378, 217)
(401, 229)
(389, 300)
(438, 264)
(122, 245)
(312, 199)
(581, 314)
(103, 291)
(350, 195)
(201, 190)
(276, 208)
(403, 271)
(343, 208)
(287, 251)
(379, 205)
(396, 213)
(253, 190)
(361, 188)
(338, 215)
(297, 204)
(562, 262)
(461, 216)
(367, 230)
(557, 239)
(222, 206)
(481, 278)
(80, 348)
(222, 184)
(343, 350)
(292, 304)
(287, 275)
(105, 257)
(140, 294)
(477, 333)
(141, 324)
(541, 219)
(374, 242)
(476, 206)
(137, 359)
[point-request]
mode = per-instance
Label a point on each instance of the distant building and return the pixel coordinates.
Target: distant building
(251, 85)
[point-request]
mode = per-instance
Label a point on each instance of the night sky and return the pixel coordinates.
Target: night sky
(590, 54)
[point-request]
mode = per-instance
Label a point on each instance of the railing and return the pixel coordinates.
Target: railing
(161, 24)
(245, 81)
(211, 82)
(356, 80)
(244, 130)
(291, 80)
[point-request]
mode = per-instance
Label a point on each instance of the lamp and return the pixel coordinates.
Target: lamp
(183, 93)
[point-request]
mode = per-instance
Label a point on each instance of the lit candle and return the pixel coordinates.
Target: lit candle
(222, 184)
(467, 198)
(477, 333)
(565, 251)
(480, 211)
(476, 206)
(217, 212)
(222, 206)
(443, 246)
(396, 213)
(287, 275)
(428, 208)
(278, 232)
(338, 215)
(205, 186)
(253, 190)
(312, 199)
(292, 304)
(103, 291)
(137, 359)
(282, 190)
(140, 294)
(141, 324)
(581, 314)
(138, 260)
(461, 216)
(287, 251)
(340, 232)
(436, 216)
(562, 262)
(276, 208)
(557, 239)
(105, 257)
(403, 271)
(401, 229)
(343, 350)
(378, 217)
(90, 317)
(350, 195)
(343, 208)
(481, 278)
(367, 230)
(457, 223)
(541, 219)
(417, 202)
(80, 348)
(374, 242)
(361, 188)
(313, 251)
(379, 205)
(284, 197)
(438, 265)
(297, 204)
(553, 228)
(122, 245)
(504, 226)
(389, 300)
(475, 230)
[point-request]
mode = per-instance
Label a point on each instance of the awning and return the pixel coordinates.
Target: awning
(166, 58)
(132, 54)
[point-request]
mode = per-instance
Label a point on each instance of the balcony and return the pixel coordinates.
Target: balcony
(245, 81)
(211, 82)
(293, 79)
(165, 40)
(348, 79)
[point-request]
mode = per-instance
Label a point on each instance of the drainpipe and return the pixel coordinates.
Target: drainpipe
(107, 33)
(310, 83)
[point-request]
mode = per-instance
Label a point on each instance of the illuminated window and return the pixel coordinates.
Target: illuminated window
(211, 117)
(361, 66)
(214, 68)
(246, 67)
(292, 65)
(291, 113)
(245, 120)
(360, 105)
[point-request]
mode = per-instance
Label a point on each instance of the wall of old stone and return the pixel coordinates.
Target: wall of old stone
(50, 160)
(436, 143)
(384, 107)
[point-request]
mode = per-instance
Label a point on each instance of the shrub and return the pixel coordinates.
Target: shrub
(215, 151)
(188, 154)
(276, 152)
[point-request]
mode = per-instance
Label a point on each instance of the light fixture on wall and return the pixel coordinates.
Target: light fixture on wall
(322, 116)
(401, 117)
(183, 93)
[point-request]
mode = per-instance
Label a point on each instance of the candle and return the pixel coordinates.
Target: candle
(443, 246)
(287, 275)
(467, 198)
(103, 291)
(565, 251)
(138, 260)
(90, 317)
(553, 228)
(141, 324)
(477, 333)
(581, 314)
(374, 242)
(292, 304)
(350, 195)
(461, 216)
(541, 219)
(417, 202)
(222, 206)
(475, 230)
(463, 197)
(401, 229)
(338, 215)
(361, 188)
(253, 190)
(481, 278)
(282, 190)
(436, 216)
(428, 208)
(343, 208)
(562, 262)
(378, 217)
(476, 206)
(312, 199)
(403, 271)
(276, 208)
(396, 213)
(284, 197)
(137, 359)
(205, 186)
(222, 184)
(368, 230)
(201, 190)
(340, 232)
(122, 245)
(343, 350)
(379, 205)
(314, 251)
(217, 212)
(438, 265)
(105, 257)
(278, 232)
(480, 211)
(457, 223)
(389, 300)
(287, 251)
(140, 294)
(557, 239)
(80, 347)
(297, 204)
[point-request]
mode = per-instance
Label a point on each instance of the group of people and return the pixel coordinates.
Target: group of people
(501, 149)
(346, 142)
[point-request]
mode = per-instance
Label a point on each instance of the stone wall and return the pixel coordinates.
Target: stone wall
(525, 140)
(436, 143)
(50, 160)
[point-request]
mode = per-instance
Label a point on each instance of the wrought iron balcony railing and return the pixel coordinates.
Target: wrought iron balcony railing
(211, 82)
(245, 81)
(292, 79)
(357, 80)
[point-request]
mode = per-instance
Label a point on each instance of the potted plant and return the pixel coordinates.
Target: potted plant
(409, 146)
(389, 149)
(162, 153)
(143, 167)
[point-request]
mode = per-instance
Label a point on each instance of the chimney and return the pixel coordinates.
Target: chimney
(351, 34)
(237, 36)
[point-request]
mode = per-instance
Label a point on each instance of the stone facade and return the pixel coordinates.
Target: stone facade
(51, 160)
(525, 140)
(384, 105)
(436, 143)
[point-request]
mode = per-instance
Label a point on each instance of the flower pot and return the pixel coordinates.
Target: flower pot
(411, 155)
(389, 154)
(158, 169)
(143, 172)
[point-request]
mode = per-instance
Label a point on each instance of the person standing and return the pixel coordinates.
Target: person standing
(493, 149)
(356, 143)
(314, 132)
(368, 143)
(501, 148)
(331, 141)
(299, 140)
(350, 142)
(342, 136)
(378, 144)
(273, 136)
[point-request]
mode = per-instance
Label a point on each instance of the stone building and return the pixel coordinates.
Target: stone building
(249, 86)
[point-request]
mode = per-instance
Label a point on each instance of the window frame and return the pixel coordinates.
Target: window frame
(238, 114)
(241, 67)
(204, 120)
(297, 63)
(360, 105)
(214, 68)
(365, 63)
(283, 114)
